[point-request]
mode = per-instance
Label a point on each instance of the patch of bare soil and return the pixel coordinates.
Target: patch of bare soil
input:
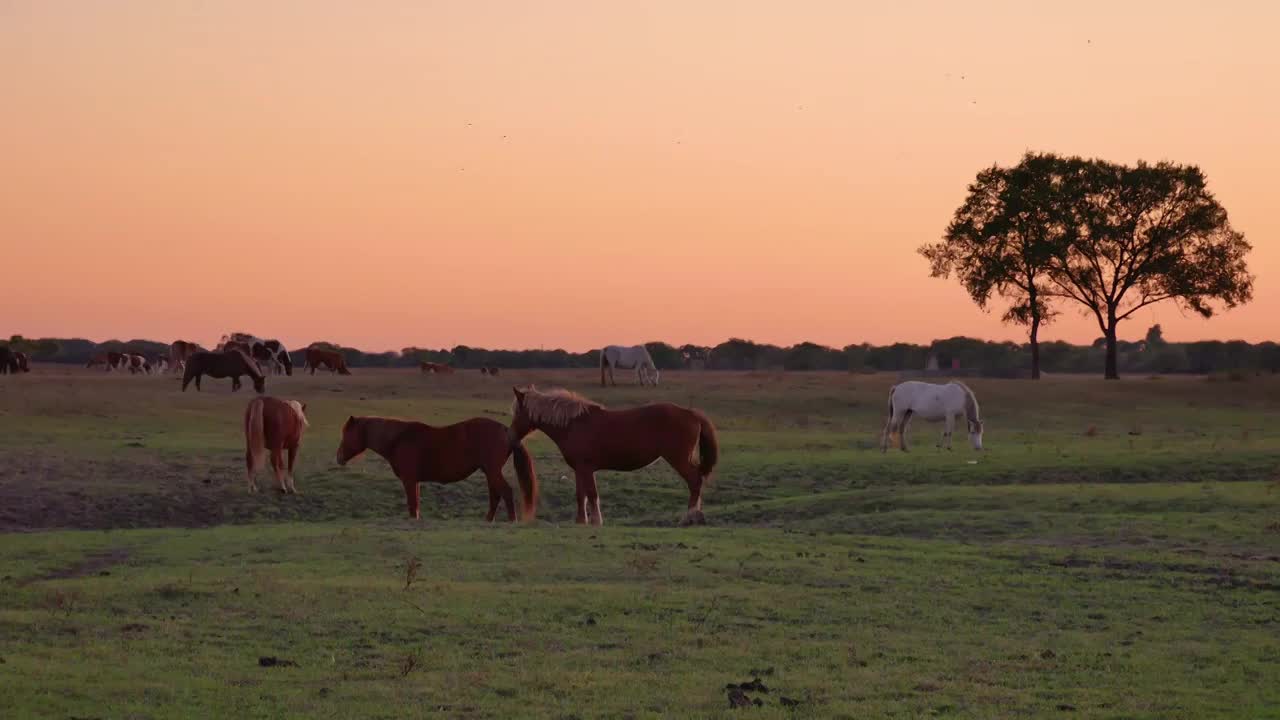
(93, 564)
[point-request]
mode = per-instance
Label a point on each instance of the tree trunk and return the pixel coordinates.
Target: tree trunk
(1112, 371)
(1035, 348)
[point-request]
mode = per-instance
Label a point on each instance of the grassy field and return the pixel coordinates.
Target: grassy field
(1114, 553)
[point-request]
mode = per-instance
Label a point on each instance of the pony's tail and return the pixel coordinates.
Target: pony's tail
(523, 463)
(255, 439)
(708, 446)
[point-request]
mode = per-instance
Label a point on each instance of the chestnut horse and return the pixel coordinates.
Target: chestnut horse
(421, 453)
(180, 351)
(275, 425)
(228, 363)
(330, 359)
(440, 368)
(592, 437)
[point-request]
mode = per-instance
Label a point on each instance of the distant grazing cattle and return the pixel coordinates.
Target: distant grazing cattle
(329, 359)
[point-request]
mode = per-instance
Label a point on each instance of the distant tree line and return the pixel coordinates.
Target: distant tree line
(959, 355)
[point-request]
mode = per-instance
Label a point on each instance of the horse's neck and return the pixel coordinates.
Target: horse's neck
(383, 436)
(559, 433)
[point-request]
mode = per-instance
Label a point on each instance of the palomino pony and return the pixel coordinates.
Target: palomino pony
(228, 363)
(275, 425)
(592, 437)
(626, 358)
(931, 402)
(331, 359)
(421, 453)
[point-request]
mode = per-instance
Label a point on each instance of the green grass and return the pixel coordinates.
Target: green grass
(1068, 573)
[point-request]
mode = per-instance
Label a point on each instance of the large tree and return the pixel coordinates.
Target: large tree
(1141, 235)
(1003, 239)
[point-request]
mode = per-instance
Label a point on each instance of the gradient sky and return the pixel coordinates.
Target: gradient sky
(512, 174)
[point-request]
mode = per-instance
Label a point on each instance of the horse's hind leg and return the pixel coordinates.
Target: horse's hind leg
(888, 433)
(693, 478)
(277, 466)
(293, 457)
(593, 501)
(251, 471)
(950, 428)
(902, 430)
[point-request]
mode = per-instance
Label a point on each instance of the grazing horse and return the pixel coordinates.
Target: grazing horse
(8, 361)
(330, 359)
(228, 363)
(137, 364)
(109, 360)
(931, 402)
(429, 368)
(421, 453)
(271, 354)
(592, 437)
(275, 425)
(627, 358)
(180, 351)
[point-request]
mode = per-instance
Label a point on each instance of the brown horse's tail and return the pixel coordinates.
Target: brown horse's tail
(708, 446)
(255, 438)
(523, 463)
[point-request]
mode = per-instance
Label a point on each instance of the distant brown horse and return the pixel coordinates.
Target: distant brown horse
(180, 351)
(331, 359)
(421, 453)
(275, 425)
(228, 363)
(436, 368)
(592, 437)
(9, 361)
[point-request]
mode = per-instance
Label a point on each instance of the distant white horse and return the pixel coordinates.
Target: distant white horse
(931, 402)
(626, 358)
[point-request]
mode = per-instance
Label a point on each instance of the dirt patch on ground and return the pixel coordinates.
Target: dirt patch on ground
(93, 564)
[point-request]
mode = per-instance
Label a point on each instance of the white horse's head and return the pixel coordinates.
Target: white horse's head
(975, 434)
(656, 374)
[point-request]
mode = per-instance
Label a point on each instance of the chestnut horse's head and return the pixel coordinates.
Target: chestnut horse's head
(354, 440)
(521, 421)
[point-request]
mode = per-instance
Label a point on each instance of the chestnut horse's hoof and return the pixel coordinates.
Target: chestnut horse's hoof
(693, 517)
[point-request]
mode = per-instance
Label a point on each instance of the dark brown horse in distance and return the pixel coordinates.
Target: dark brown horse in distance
(228, 363)
(12, 361)
(421, 453)
(592, 437)
(429, 368)
(273, 425)
(330, 359)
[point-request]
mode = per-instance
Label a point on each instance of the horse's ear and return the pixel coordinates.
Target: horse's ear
(519, 395)
(350, 419)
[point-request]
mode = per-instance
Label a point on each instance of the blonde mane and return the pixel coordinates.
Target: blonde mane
(557, 406)
(297, 408)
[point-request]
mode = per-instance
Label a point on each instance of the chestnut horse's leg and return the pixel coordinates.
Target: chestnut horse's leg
(493, 502)
(277, 466)
(693, 478)
(251, 472)
(411, 491)
(500, 489)
(593, 500)
(293, 457)
(581, 478)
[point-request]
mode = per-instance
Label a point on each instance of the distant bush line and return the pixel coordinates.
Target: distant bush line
(959, 355)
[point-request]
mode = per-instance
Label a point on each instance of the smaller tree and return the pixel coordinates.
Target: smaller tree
(1003, 238)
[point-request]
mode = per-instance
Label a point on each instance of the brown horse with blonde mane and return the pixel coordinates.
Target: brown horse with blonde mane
(421, 453)
(228, 363)
(592, 437)
(274, 425)
(330, 359)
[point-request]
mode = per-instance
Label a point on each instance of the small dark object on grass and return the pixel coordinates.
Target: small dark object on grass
(788, 702)
(753, 686)
(591, 620)
(103, 573)
(1066, 708)
(738, 699)
(757, 673)
(1048, 655)
(271, 661)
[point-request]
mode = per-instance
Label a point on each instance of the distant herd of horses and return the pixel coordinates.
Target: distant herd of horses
(590, 436)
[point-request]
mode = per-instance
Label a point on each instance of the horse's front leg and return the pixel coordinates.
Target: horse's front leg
(581, 478)
(951, 428)
(411, 498)
(593, 501)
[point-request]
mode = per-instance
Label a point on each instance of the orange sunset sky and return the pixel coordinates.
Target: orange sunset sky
(568, 174)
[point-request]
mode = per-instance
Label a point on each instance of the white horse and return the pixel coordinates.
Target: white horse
(931, 402)
(626, 358)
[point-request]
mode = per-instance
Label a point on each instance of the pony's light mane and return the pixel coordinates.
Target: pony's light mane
(970, 401)
(297, 408)
(557, 407)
